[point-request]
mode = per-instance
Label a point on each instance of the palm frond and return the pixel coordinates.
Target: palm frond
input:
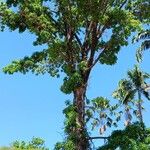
(146, 75)
(145, 90)
(136, 76)
(129, 96)
(145, 34)
(144, 46)
(125, 92)
(128, 88)
(146, 93)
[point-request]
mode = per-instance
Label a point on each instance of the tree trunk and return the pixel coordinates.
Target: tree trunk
(139, 105)
(128, 116)
(82, 142)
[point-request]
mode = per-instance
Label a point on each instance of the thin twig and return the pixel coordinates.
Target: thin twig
(123, 4)
(97, 137)
(78, 40)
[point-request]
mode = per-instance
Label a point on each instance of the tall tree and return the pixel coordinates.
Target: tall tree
(75, 34)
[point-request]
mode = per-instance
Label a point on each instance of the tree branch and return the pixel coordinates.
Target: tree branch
(78, 40)
(94, 41)
(98, 57)
(97, 137)
(123, 4)
(91, 59)
(87, 33)
(96, 60)
(101, 31)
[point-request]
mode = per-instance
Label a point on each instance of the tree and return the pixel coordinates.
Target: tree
(138, 78)
(128, 88)
(34, 144)
(135, 136)
(74, 33)
(4, 148)
(143, 35)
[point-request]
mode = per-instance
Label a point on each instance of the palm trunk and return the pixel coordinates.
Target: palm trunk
(127, 116)
(82, 142)
(139, 105)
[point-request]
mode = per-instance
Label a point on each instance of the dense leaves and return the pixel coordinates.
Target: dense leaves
(34, 144)
(51, 26)
(133, 137)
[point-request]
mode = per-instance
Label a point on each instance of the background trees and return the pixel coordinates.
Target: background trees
(134, 136)
(145, 36)
(130, 92)
(34, 144)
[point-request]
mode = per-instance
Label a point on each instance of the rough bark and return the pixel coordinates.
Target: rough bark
(128, 116)
(82, 142)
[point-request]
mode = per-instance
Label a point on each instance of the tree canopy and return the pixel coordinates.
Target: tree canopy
(34, 144)
(77, 25)
(133, 137)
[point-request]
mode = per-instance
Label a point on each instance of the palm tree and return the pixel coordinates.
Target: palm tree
(137, 78)
(144, 35)
(125, 94)
(128, 89)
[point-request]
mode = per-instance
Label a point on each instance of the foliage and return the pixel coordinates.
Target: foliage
(100, 113)
(50, 26)
(144, 35)
(133, 137)
(66, 145)
(5, 148)
(35, 144)
(70, 125)
(127, 90)
(141, 9)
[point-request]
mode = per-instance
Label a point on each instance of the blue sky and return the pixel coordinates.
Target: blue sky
(32, 105)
